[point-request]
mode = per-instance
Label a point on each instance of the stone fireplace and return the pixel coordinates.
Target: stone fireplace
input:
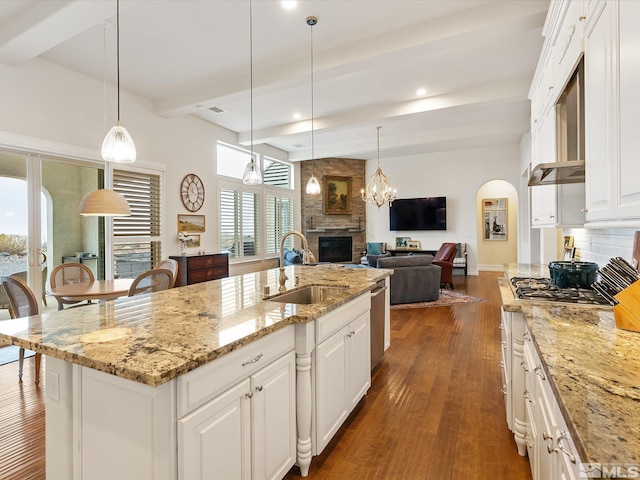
(316, 224)
(335, 249)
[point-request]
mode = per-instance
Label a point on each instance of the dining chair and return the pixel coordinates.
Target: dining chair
(153, 280)
(171, 265)
(67, 273)
(22, 303)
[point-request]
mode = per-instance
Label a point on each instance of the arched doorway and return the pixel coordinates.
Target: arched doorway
(497, 225)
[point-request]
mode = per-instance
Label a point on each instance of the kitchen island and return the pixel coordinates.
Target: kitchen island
(154, 386)
(592, 371)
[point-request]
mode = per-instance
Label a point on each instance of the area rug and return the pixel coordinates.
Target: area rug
(10, 354)
(447, 297)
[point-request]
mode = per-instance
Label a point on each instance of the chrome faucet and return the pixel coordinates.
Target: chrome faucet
(305, 247)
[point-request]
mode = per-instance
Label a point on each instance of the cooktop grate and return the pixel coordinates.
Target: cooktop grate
(529, 288)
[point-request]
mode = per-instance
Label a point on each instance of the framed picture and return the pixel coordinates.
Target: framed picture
(494, 213)
(402, 242)
(193, 241)
(190, 223)
(413, 244)
(568, 241)
(569, 252)
(337, 195)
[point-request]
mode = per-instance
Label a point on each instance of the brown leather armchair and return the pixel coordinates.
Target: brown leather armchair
(444, 257)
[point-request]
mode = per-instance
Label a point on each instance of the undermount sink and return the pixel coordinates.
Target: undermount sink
(308, 295)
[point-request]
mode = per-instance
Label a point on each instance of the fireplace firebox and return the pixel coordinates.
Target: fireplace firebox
(335, 249)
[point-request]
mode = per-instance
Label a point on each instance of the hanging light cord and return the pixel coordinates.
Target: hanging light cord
(312, 22)
(378, 128)
(251, 74)
(118, 53)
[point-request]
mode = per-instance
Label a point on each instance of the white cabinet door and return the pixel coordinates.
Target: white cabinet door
(568, 44)
(215, 440)
(600, 123)
(331, 386)
(628, 199)
(359, 359)
(274, 419)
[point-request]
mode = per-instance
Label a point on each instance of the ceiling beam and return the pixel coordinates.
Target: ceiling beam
(46, 24)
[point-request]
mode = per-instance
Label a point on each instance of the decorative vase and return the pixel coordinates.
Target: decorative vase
(183, 248)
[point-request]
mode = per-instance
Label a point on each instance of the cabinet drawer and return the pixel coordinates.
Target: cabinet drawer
(330, 323)
(202, 384)
(206, 261)
(197, 276)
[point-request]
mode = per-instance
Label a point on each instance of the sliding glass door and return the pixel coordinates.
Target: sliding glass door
(39, 224)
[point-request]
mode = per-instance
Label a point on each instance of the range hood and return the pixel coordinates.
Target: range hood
(557, 173)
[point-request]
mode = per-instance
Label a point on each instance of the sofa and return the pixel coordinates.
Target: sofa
(415, 278)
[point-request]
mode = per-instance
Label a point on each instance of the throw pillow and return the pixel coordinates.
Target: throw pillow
(458, 251)
(374, 248)
(291, 257)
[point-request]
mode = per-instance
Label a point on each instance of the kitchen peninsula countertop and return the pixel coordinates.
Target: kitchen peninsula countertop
(155, 338)
(593, 369)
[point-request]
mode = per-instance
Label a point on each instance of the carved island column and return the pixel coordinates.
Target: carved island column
(305, 343)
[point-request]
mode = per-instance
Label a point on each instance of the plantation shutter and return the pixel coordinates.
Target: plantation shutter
(239, 222)
(137, 239)
(278, 222)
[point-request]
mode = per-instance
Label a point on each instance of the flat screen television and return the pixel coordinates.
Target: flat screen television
(428, 213)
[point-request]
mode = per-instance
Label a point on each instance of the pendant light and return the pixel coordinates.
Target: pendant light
(252, 174)
(313, 186)
(379, 190)
(118, 145)
(104, 203)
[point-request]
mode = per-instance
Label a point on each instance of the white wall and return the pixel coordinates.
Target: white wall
(61, 112)
(458, 175)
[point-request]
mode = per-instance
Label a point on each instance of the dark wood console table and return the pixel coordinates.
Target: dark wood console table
(407, 251)
(201, 268)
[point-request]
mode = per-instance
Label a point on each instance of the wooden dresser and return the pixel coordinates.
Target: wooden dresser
(201, 268)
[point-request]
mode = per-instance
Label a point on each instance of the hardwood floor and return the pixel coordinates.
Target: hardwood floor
(434, 410)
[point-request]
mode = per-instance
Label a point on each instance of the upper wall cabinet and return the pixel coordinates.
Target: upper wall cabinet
(568, 43)
(612, 76)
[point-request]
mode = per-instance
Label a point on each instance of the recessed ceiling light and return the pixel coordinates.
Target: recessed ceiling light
(296, 116)
(289, 4)
(421, 91)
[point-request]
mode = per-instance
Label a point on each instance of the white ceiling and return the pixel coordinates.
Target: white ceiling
(476, 58)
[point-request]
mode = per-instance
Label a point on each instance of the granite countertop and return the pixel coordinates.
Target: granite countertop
(593, 369)
(154, 338)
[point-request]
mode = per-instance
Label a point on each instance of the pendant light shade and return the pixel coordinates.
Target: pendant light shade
(118, 145)
(252, 174)
(379, 190)
(104, 203)
(313, 186)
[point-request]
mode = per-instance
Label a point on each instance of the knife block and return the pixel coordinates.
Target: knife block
(627, 312)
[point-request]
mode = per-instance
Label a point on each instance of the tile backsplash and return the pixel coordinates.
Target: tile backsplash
(600, 245)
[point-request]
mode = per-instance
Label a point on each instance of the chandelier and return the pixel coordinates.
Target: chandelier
(379, 190)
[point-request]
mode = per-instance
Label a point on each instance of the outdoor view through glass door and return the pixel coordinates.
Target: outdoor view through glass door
(37, 235)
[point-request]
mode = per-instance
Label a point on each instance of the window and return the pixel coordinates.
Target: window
(239, 222)
(279, 219)
(243, 232)
(277, 173)
(232, 160)
(137, 239)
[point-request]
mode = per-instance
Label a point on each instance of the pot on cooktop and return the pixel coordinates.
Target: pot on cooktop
(573, 274)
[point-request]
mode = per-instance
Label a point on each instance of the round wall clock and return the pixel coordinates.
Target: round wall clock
(192, 192)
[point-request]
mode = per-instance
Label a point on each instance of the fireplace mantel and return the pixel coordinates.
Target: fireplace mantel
(335, 229)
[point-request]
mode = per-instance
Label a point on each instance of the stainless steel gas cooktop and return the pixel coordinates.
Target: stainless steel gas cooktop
(528, 288)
